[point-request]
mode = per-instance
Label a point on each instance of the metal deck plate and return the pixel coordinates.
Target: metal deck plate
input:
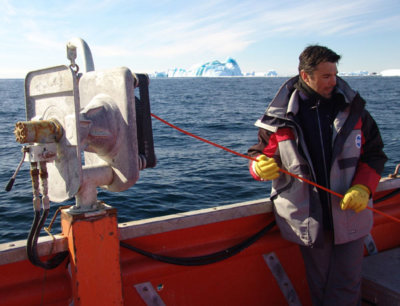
(283, 280)
(149, 294)
(381, 278)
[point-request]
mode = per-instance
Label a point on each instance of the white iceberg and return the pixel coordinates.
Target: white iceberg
(391, 72)
(354, 73)
(210, 69)
(176, 72)
(269, 73)
(158, 74)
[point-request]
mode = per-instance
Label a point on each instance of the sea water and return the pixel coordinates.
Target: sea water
(189, 174)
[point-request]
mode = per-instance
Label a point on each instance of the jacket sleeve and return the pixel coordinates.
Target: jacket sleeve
(258, 149)
(372, 159)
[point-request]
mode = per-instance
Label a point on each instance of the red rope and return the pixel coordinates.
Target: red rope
(280, 169)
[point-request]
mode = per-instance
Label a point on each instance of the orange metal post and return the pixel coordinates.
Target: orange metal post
(94, 248)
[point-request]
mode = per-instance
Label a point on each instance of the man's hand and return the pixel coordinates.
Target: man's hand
(266, 168)
(356, 198)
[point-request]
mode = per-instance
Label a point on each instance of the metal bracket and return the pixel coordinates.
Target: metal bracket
(149, 294)
(281, 277)
(370, 245)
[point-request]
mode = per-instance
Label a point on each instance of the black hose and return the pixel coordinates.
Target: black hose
(388, 196)
(33, 237)
(204, 259)
(55, 261)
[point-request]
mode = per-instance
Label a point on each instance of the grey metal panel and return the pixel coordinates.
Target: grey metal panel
(116, 87)
(149, 294)
(281, 277)
(381, 278)
(52, 93)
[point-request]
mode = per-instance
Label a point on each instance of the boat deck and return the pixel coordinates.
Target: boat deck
(381, 278)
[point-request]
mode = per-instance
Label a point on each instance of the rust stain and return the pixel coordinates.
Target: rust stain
(42, 131)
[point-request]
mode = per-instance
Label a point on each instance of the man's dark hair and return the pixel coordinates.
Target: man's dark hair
(314, 55)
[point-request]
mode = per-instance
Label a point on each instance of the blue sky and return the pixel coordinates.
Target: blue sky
(149, 36)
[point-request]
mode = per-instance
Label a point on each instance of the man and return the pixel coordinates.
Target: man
(317, 127)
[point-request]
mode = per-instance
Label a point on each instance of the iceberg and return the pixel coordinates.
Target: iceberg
(354, 73)
(391, 72)
(159, 74)
(269, 73)
(387, 72)
(209, 69)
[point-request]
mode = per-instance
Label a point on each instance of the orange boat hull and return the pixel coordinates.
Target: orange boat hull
(243, 279)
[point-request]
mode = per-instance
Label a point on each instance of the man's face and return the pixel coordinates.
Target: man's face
(323, 79)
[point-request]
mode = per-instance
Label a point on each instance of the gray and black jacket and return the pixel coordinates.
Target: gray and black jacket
(356, 157)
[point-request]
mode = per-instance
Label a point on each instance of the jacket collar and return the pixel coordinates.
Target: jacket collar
(286, 100)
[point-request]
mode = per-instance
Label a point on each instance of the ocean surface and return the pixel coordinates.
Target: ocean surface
(189, 174)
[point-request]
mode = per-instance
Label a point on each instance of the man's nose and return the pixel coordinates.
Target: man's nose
(333, 81)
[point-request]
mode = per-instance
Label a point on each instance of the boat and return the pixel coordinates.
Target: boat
(225, 255)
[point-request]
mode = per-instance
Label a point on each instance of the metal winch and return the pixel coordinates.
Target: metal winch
(82, 131)
(85, 127)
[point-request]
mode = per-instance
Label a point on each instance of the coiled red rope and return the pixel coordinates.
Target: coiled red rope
(254, 159)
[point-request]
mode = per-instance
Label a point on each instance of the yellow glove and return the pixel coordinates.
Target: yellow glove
(266, 168)
(356, 198)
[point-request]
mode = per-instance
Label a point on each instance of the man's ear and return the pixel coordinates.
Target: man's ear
(305, 76)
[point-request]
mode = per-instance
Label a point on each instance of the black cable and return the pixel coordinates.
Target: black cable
(388, 196)
(204, 259)
(33, 237)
